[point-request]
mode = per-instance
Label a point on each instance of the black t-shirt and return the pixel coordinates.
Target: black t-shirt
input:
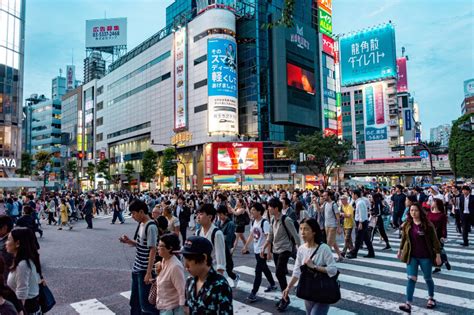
(399, 202)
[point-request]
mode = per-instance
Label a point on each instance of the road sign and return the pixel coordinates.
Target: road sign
(293, 168)
(424, 154)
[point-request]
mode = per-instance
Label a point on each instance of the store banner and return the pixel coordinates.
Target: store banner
(180, 80)
(402, 82)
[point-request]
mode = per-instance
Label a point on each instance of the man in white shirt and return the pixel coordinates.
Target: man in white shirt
(362, 222)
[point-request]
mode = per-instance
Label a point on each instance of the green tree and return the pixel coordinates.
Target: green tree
(149, 165)
(461, 147)
(103, 167)
(90, 171)
(26, 167)
(323, 154)
(167, 165)
(42, 158)
(286, 19)
(129, 171)
(71, 167)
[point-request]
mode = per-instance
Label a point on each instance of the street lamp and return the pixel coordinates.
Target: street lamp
(169, 145)
(241, 174)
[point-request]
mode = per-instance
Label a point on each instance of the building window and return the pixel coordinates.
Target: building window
(100, 106)
(99, 121)
(200, 108)
(199, 84)
(128, 130)
(100, 90)
(213, 31)
(99, 137)
(200, 60)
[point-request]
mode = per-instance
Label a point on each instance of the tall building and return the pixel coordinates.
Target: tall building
(12, 42)
(94, 67)
(58, 87)
(467, 106)
(441, 134)
(27, 120)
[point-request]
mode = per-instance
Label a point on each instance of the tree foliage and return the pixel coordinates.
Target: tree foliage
(149, 165)
(286, 19)
(90, 171)
(461, 147)
(42, 159)
(71, 167)
(167, 165)
(323, 154)
(26, 167)
(129, 171)
(103, 167)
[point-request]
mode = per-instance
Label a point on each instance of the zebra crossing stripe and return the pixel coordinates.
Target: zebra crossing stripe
(347, 295)
(450, 256)
(92, 306)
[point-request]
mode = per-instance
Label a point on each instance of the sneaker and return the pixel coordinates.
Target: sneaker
(271, 289)
(236, 281)
(386, 248)
(284, 305)
(369, 256)
(252, 298)
(436, 270)
(448, 265)
(351, 256)
(405, 307)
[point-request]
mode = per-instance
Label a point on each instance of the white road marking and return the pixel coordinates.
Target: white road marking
(92, 306)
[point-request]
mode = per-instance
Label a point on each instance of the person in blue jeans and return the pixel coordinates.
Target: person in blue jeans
(419, 247)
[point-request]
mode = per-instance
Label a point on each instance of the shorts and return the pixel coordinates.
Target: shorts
(331, 236)
(240, 229)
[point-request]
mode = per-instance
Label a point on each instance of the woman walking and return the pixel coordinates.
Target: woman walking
(170, 282)
(63, 211)
(24, 277)
(117, 211)
(322, 261)
(438, 217)
(51, 211)
(419, 247)
(240, 217)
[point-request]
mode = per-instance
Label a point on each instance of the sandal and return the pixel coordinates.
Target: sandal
(405, 307)
(431, 303)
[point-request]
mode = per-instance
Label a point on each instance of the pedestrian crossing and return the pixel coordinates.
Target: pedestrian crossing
(104, 216)
(368, 285)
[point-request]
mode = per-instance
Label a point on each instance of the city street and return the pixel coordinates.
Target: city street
(89, 273)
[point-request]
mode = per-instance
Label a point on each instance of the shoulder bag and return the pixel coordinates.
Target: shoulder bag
(317, 286)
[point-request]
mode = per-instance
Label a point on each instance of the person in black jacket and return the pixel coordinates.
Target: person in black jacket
(28, 220)
(183, 213)
(466, 209)
(88, 210)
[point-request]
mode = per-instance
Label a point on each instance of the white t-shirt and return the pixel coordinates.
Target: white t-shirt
(259, 236)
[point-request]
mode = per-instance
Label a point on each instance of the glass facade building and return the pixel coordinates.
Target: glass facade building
(12, 19)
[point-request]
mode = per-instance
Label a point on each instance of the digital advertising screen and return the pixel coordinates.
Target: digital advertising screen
(300, 78)
(231, 157)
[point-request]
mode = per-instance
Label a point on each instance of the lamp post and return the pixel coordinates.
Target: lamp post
(168, 145)
(241, 174)
(424, 146)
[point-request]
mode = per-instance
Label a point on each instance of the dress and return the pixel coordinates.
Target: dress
(64, 214)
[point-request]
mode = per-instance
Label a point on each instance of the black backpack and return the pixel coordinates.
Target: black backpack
(151, 222)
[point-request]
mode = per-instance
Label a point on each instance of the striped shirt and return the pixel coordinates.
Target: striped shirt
(144, 244)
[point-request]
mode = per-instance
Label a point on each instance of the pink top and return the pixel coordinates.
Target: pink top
(170, 285)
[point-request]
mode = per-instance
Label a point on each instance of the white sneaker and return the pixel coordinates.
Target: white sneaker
(236, 281)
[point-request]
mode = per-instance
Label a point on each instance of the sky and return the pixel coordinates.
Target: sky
(438, 36)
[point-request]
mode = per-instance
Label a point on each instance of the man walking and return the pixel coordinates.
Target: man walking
(398, 204)
(466, 209)
(361, 217)
(183, 213)
(88, 210)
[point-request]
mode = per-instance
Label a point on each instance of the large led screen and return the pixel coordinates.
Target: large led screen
(300, 78)
(231, 157)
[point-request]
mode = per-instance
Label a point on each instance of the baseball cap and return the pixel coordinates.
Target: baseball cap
(197, 245)
(435, 188)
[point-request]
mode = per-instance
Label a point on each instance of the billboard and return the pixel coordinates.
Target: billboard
(469, 88)
(325, 22)
(328, 45)
(106, 32)
(368, 55)
(326, 5)
(408, 119)
(231, 157)
(222, 86)
(402, 82)
(70, 77)
(375, 127)
(180, 80)
(300, 78)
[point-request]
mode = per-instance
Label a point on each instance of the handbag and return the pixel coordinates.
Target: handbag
(317, 286)
(152, 295)
(46, 298)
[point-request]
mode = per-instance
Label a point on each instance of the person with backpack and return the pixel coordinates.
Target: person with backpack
(145, 241)
(226, 225)
(258, 234)
(283, 240)
(117, 212)
(205, 216)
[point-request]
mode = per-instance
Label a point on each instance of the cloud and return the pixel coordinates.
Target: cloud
(388, 4)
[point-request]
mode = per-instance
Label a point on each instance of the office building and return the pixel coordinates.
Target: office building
(58, 87)
(94, 67)
(441, 134)
(467, 106)
(12, 41)
(26, 123)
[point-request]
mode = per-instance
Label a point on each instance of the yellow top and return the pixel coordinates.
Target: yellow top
(348, 216)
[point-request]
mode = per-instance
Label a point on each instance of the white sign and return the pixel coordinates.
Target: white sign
(106, 32)
(299, 39)
(70, 77)
(180, 80)
(6, 162)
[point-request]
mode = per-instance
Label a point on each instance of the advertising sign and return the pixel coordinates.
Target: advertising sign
(469, 88)
(328, 45)
(325, 22)
(402, 82)
(300, 78)
(374, 113)
(208, 159)
(7, 162)
(222, 86)
(408, 119)
(368, 55)
(281, 154)
(232, 157)
(299, 39)
(70, 77)
(330, 132)
(326, 5)
(180, 80)
(106, 32)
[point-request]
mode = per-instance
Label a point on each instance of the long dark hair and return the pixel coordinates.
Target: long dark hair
(423, 217)
(313, 224)
(439, 205)
(27, 249)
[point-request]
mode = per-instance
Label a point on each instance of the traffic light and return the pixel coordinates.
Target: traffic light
(80, 155)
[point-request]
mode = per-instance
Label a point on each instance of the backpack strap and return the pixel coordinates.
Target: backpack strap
(261, 224)
(146, 229)
(315, 251)
(283, 222)
(213, 234)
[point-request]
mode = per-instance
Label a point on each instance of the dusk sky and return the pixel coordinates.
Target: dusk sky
(438, 37)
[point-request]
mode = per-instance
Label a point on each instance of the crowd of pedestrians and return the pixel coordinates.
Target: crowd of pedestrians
(303, 227)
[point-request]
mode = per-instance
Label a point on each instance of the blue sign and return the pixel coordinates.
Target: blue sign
(408, 120)
(424, 154)
(222, 67)
(293, 168)
(369, 105)
(372, 133)
(368, 55)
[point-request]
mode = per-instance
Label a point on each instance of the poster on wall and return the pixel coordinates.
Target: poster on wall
(368, 55)
(222, 86)
(402, 82)
(180, 80)
(375, 128)
(232, 157)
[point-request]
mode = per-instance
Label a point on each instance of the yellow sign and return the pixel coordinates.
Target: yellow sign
(181, 138)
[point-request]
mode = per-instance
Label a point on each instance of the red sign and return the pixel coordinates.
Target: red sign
(402, 82)
(339, 124)
(326, 5)
(102, 155)
(208, 159)
(328, 45)
(336, 52)
(330, 132)
(207, 181)
(230, 157)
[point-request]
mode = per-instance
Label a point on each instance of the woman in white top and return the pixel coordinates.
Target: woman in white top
(323, 262)
(173, 222)
(24, 276)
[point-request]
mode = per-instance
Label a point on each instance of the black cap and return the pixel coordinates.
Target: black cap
(197, 245)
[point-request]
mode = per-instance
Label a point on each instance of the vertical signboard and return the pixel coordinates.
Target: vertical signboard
(328, 45)
(402, 82)
(180, 80)
(222, 86)
(408, 120)
(469, 88)
(326, 5)
(325, 22)
(375, 128)
(368, 55)
(70, 77)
